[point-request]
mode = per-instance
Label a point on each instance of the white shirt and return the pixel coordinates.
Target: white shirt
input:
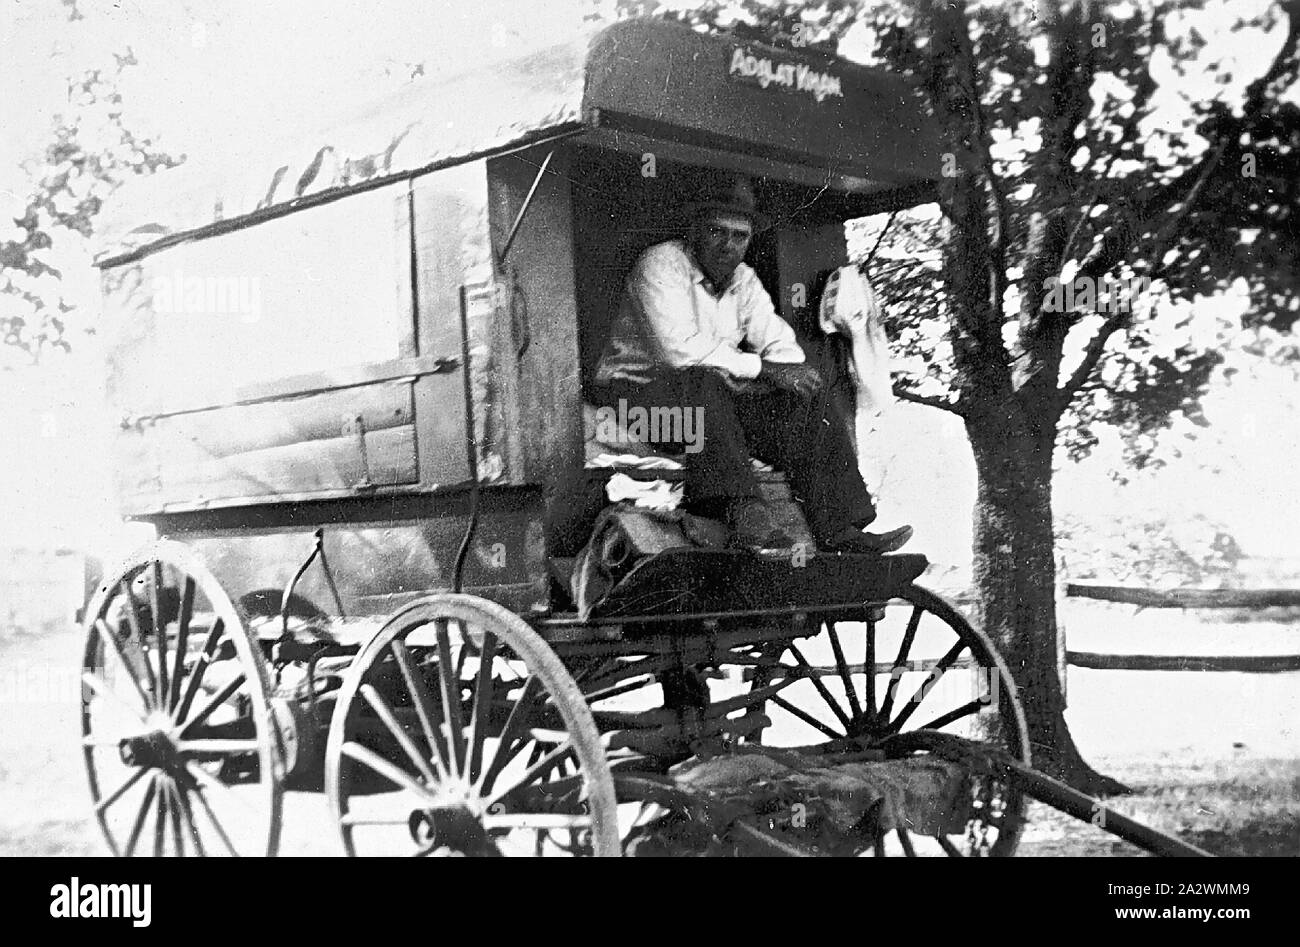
(669, 317)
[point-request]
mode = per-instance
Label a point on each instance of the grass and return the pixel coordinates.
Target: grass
(1229, 807)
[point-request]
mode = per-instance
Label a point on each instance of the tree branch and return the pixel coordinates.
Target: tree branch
(1119, 241)
(997, 262)
(968, 258)
(952, 407)
(1068, 99)
(1128, 133)
(1091, 356)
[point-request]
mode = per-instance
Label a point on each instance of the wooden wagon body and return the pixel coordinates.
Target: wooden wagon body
(289, 345)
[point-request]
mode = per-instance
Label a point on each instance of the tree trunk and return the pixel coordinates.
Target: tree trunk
(1015, 578)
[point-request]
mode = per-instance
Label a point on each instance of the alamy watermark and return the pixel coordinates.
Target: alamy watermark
(1101, 295)
(208, 295)
(77, 900)
(637, 424)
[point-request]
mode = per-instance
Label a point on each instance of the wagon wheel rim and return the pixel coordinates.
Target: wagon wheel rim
(458, 731)
(839, 703)
(180, 750)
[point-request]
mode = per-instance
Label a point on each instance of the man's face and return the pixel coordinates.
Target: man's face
(721, 240)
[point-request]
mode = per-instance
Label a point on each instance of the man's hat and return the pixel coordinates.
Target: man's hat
(732, 193)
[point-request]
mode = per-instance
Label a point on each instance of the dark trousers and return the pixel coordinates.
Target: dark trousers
(806, 437)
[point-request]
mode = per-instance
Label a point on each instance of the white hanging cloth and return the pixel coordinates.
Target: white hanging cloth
(849, 306)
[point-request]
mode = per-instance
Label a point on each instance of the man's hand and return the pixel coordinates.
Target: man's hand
(798, 377)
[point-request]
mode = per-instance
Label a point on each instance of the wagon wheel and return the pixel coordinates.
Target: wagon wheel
(458, 731)
(931, 670)
(177, 732)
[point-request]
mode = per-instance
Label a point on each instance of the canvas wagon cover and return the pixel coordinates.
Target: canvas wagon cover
(647, 77)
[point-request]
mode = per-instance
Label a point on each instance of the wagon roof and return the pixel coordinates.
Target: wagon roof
(647, 78)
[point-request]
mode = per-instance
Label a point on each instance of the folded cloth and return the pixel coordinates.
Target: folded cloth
(651, 462)
(647, 494)
(849, 306)
(633, 461)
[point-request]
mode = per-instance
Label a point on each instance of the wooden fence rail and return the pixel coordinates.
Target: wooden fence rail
(1185, 598)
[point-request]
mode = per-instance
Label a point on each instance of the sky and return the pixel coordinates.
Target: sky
(214, 75)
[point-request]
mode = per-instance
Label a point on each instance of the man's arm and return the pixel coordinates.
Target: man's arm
(766, 332)
(660, 292)
(774, 341)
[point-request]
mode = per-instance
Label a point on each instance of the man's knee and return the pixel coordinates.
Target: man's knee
(703, 385)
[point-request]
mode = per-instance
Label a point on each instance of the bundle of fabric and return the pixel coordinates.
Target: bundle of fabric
(765, 801)
(849, 307)
(625, 535)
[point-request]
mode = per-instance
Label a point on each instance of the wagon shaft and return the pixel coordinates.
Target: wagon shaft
(1054, 793)
(1072, 802)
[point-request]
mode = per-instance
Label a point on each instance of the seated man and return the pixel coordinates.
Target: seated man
(696, 329)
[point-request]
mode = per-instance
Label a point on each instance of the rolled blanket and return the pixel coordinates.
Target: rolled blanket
(625, 535)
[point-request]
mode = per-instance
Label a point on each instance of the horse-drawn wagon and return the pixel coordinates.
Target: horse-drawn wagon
(351, 386)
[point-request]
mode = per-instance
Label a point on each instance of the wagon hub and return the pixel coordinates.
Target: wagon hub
(453, 827)
(154, 749)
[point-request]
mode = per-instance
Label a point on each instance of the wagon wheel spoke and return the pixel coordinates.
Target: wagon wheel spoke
(216, 786)
(217, 827)
(952, 716)
(904, 649)
(806, 717)
(174, 810)
(187, 816)
(905, 839)
(617, 690)
(217, 747)
(393, 774)
(385, 713)
(119, 792)
(425, 709)
(200, 668)
(449, 683)
(215, 701)
(821, 688)
(544, 822)
(512, 740)
(137, 635)
(950, 849)
(478, 721)
(869, 668)
(846, 677)
(183, 620)
(534, 772)
(100, 687)
(106, 633)
(354, 819)
(140, 816)
(160, 631)
(932, 678)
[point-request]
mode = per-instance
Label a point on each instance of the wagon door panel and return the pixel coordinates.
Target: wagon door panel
(345, 441)
(449, 250)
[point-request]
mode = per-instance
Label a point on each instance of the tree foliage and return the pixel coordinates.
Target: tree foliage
(91, 151)
(1085, 149)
